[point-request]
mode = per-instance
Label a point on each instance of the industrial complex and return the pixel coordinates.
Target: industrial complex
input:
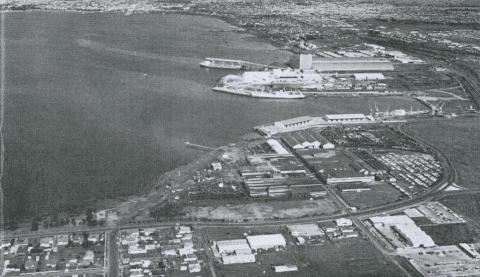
(322, 182)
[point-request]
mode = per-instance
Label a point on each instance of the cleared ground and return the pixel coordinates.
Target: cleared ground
(378, 195)
(266, 210)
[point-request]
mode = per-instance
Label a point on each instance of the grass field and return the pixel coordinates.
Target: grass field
(458, 139)
(442, 234)
(379, 195)
(467, 205)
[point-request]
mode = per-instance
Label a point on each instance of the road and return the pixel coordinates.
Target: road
(111, 253)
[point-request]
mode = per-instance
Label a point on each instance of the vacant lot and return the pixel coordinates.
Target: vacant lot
(458, 139)
(442, 234)
(263, 210)
(467, 205)
(379, 195)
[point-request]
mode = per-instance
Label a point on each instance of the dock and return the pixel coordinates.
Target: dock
(235, 64)
(198, 146)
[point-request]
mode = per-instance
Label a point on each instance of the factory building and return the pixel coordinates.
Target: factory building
(368, 76)
(305, 230)
(335, 167)
(305, 139)
(238, 259)
(265, 242)
(232, 246)
(346, 118)
(236, 251)
(277, 147)
(353, 187)
(404, 227)
(284, 187)
(285, 268)
(344, 64)
(343, 222)
(294, 122)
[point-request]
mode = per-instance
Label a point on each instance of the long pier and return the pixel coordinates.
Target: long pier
(235, 64)
(199, 147)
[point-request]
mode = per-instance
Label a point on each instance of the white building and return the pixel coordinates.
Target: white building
(216, 166)
(277, 147)
(285, 268)
(192, 268)
(368, 76)
(405, 227)
(343, 222)
(266, 241)
(238, 259)
(344, 64)
(305, 230)
(232, 246)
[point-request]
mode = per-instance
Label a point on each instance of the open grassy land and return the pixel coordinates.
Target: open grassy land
(458, 139)
(379, 195)
(468, 205)
(442, 234)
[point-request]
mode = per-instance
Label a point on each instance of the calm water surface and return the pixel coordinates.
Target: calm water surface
(99, 105)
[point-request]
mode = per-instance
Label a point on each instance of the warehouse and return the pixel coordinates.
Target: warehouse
(238, 259)
(294, 122)
(232, 246)
(277, 147)
(265, 242)
(353, 187)
(344, 64)
(346, 118)
(334, 167)
(285, 268)
(368, 76)
(305, 230)
(404, 227)
(283, 187)
(306, 139)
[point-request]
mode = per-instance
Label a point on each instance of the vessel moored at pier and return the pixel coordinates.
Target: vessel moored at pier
(233, 64)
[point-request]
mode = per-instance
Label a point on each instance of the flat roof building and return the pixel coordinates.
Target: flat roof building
(232, 246)
(404, 227)
(344, 64)
(343, 222)
(285, 268)
(238, 259)
(266, 242)
(353, 187)
(304, 139)
(277, 147)
(305, 230)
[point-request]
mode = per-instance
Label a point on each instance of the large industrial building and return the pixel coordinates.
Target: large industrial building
(306, 122)
(305, 230)
(336, 167)
(344, 64)
(404, 227)
(236, 251)
(232, 246)
(279, 175)
(304, 139)
(265, 242)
